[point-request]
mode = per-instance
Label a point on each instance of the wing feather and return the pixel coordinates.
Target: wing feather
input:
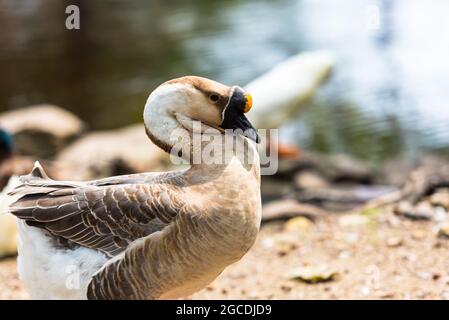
(106, 215)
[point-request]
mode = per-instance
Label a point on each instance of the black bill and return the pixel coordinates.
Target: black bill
(234, 117)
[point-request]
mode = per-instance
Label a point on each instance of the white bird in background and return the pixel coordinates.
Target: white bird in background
(279, 94)
(282, 92)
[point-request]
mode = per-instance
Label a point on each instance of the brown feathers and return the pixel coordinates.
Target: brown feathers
(102, 217)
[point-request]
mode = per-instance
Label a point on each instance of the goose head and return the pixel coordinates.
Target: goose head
(177, 103)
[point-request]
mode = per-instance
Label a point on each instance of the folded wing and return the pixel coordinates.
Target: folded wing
(105, 217)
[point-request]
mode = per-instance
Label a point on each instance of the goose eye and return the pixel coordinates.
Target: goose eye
(214, 97)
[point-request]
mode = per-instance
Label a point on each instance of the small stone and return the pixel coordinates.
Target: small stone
(351, 237)
(393, 221)
(353, 220)
(386, 295)
(418, 234)
(440, 198)
(421, 212)
(443, 232)
(365, 290)
(268, 243)
(344, 255)
(282, 253)
(286, 288)
(436, 276)
(310, 180)
(424, 275)
(289, 208)
(407, 256)
(440, 215)
(298, 224)
(285, 248)
(394, 242)
(438, 245)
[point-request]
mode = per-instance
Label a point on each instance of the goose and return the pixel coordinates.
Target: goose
(149, 235)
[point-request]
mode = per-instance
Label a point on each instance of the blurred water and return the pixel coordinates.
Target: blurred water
(387, 96)
(388, 93)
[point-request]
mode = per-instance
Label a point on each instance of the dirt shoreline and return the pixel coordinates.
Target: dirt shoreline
(385, 257)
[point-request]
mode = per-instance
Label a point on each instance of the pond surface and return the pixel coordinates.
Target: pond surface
(388, 95)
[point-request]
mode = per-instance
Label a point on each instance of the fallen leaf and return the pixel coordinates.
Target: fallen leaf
(298, 224)
(313, 274)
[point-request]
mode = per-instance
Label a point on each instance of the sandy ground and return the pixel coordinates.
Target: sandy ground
(386, 257)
